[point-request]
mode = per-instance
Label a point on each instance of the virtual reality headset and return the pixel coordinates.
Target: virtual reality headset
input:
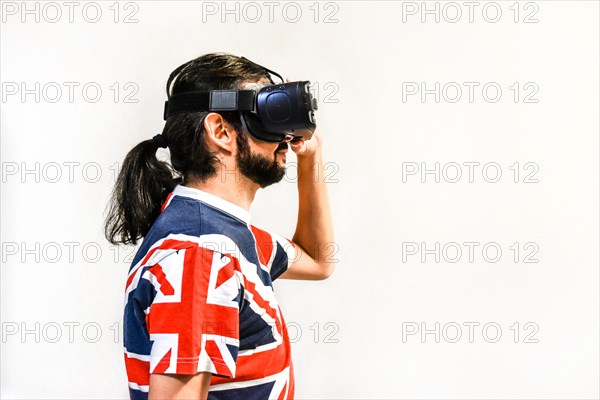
(274, 113)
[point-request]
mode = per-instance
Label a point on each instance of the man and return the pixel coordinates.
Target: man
(201, 319)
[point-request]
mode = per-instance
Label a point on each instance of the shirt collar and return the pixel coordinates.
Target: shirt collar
(214, 201)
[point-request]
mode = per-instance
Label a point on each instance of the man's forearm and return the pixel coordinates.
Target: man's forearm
(314, 230)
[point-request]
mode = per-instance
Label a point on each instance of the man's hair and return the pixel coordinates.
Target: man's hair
(144, 181)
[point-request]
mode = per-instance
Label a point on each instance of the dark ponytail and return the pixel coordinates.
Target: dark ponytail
(144, 181)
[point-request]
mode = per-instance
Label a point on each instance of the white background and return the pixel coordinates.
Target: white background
(369, 53)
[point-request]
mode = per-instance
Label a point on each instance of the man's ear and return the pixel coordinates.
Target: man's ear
(217, 132)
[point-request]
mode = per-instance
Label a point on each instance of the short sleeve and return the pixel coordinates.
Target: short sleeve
(285, 255)
(193, 319)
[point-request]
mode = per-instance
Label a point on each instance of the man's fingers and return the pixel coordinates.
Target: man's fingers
(297, 146)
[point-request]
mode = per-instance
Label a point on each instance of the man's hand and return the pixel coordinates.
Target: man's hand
(305, 148)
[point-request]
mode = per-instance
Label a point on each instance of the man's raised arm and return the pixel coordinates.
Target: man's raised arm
(314, 229)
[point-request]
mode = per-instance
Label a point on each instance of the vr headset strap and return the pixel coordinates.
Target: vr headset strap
(213, 100)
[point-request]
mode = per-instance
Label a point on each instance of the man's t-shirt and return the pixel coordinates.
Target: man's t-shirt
(199, 297)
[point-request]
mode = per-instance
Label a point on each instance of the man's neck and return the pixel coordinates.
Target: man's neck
(235, 189)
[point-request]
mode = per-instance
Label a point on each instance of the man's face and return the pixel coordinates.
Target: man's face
(261, 162)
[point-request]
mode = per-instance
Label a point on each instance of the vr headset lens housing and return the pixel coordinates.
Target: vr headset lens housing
(282, 110)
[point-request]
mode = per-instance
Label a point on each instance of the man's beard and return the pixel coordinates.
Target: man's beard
(256, 167)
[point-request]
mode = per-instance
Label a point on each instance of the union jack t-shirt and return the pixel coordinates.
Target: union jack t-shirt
(199, 297)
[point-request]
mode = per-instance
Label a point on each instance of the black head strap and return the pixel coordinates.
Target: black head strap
(213, 100)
